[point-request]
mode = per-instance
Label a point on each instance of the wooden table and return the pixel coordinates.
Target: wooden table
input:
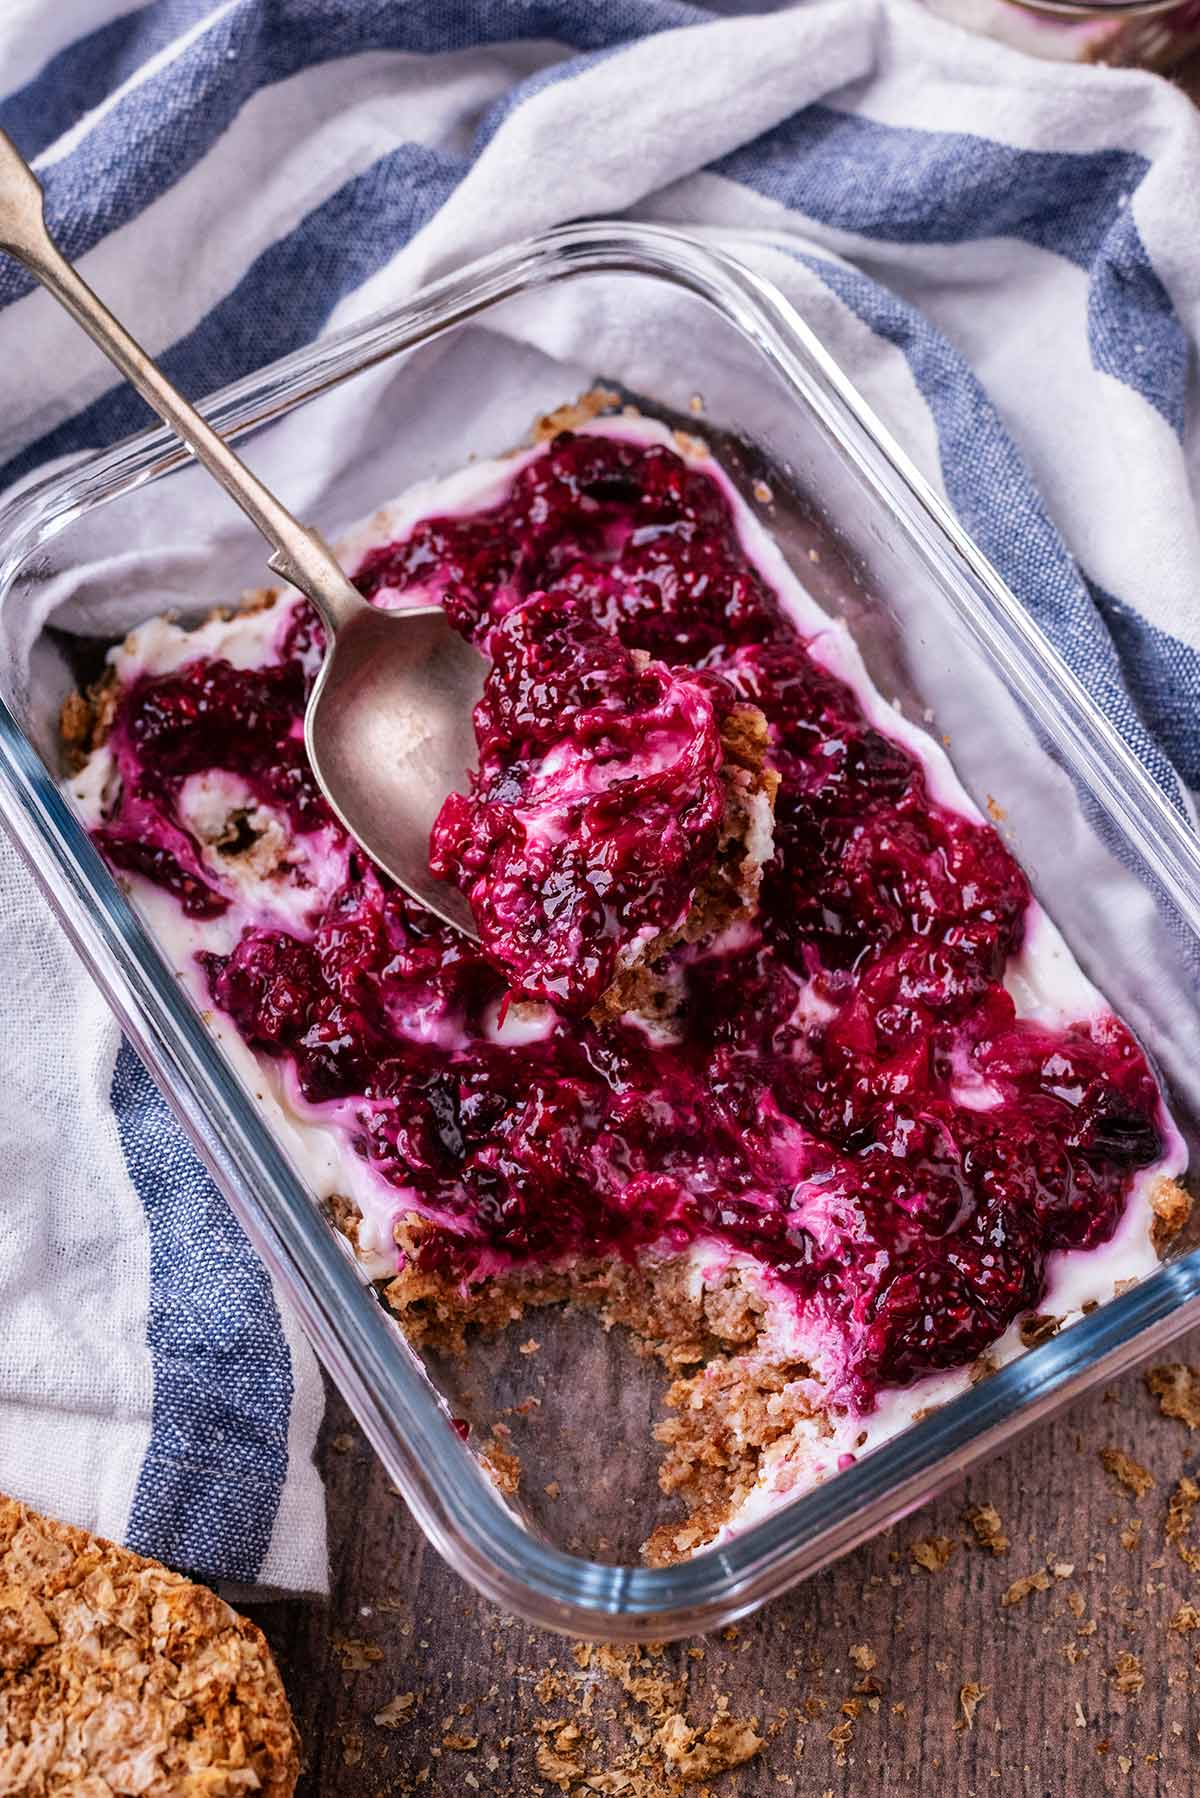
(1087, 1687)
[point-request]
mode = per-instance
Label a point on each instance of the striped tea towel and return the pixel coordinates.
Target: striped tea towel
(1000, 251)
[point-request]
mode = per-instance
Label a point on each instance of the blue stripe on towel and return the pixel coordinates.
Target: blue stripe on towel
(979, 462)
(1163, 675)
(86, 71)
(212, 1478)
(901, 185)
(166, 124)
(282, 301)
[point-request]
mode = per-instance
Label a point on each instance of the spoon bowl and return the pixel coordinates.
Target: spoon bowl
(388, 733)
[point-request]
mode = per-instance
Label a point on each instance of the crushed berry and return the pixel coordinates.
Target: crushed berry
(155, 862)
(850, 1098)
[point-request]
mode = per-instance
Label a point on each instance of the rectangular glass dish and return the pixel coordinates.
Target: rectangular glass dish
(343, 427)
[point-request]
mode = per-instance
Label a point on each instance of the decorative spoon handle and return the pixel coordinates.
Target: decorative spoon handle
(301, 555)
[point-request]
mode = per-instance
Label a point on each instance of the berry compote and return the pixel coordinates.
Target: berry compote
(596, 807)
(849, 1098)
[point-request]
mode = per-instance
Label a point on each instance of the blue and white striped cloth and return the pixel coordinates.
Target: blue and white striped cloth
(1001, 252)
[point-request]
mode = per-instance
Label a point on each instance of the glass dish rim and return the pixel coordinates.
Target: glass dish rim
(1093, 12)
(468, 1524)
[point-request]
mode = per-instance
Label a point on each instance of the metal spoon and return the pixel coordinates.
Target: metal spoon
(388, 724)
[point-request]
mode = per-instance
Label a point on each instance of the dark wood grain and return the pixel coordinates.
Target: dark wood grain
(1053, 1719)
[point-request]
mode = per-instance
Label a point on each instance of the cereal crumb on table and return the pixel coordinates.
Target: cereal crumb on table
(970, 1697)
(1130, 1473)
(1180, 1507)
(355, 1655)
(397, 1711)
(1020, 1589)
(987, 1528)
(932, 1552)
(1126, 1674)
(1177, 1389)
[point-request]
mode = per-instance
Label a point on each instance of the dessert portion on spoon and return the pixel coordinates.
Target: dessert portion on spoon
(620, 806)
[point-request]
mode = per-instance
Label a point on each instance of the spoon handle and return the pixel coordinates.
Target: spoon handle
(301, 555)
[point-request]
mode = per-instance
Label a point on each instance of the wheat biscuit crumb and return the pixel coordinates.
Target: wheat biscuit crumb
(727, 1742)
(574, 414)
(355, 1654)
(75, 727)
(1177, 1389)
(397, 1711)
(932, 1552)
(1172, 1208)
(970, 1697)
(1038, 1327)
(502, 1467)
(1126, 1674)
(85, 719)
(987, 1528)
(1020, 1589)
(1180, 1507)
(1128, 1472)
